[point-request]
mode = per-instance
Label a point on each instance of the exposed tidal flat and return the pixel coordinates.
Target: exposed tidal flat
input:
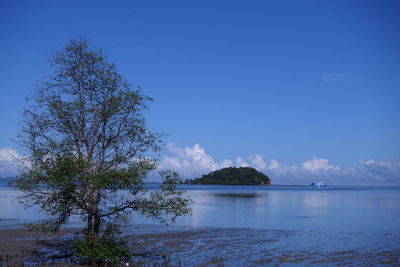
(247, 226)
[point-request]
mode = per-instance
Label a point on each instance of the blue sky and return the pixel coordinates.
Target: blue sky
(290, 81)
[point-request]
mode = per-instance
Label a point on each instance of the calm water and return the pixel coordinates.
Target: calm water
(268, 207)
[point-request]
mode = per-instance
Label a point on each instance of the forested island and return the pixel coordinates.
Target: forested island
(233, 176)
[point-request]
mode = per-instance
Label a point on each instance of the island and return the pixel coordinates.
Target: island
(233, 176)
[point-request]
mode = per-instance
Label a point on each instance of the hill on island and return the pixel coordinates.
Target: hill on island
(234, 176)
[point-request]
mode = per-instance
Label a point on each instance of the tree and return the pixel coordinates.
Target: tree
(234, 176)
(89, 147)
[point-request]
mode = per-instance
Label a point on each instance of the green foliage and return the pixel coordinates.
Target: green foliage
(108, 250)
(234, 176)
(88, 148)
(103, 252)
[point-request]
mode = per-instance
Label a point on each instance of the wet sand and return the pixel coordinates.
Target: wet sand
(253, 247)
(23, 248)
(191, 246)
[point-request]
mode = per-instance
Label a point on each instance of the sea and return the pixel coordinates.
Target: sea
(277, 207)
(275, 225)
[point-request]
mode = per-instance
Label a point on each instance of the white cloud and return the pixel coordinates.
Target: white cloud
(382, 171)
(241, 162)
(257, 161)
(8, 162)
(277, 169)
(192, 162)
(318, 164)
(8, 154)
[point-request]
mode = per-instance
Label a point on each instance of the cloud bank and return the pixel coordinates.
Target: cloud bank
(192, 162)
(8, 162)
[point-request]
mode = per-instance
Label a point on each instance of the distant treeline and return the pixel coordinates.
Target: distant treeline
(5, 181)
(233, 176)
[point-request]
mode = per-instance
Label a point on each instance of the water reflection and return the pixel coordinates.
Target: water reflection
(302, 208)
(12, 210)
(270, 208)
(236, 195)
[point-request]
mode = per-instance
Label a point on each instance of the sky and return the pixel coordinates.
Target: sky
(300, 90)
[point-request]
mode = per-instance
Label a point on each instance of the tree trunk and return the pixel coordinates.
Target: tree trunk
(90, 226)
(96, 227)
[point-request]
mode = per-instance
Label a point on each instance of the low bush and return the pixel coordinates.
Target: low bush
(103, 252)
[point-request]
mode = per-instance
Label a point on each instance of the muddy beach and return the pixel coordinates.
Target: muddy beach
(191, 246)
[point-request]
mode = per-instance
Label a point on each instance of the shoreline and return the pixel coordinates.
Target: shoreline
(203, 246)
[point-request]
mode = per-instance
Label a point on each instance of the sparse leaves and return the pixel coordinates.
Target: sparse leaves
(88, 144)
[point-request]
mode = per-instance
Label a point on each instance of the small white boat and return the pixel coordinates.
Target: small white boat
(318, 184)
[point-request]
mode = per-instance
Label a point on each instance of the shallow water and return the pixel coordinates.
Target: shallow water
(261, 247)
(296, 208)
(267, 207)
(263, 226)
